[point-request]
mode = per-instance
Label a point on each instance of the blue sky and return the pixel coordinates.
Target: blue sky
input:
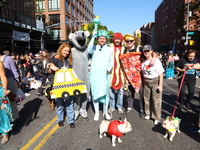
(125, 16)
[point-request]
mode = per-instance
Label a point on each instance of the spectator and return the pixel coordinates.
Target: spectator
(169, 74)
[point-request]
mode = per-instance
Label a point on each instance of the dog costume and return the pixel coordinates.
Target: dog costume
(80, 66)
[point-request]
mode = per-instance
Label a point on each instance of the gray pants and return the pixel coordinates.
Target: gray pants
(80, 105)
(152, 99)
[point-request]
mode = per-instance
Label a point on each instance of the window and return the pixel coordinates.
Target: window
(40, 7)
(73, 23)
(77, 25)
(55, 34)
(77, 3)
(72, 10)
(67, 20)
(54, 18)
(54, 5)
(67, 6)
(77, 14)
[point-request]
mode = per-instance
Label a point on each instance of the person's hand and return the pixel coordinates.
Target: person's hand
(160, 88)
(18, 84)
(53, 67)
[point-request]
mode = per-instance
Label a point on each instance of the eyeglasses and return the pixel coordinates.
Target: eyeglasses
(146, 51)
(129, 41)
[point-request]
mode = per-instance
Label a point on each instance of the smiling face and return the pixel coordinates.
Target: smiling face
(130, 43)
(102, 40)
(117, 41)
(147, 53)
(191, 56)
(65, 51)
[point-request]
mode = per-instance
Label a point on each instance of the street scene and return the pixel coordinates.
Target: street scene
(38, 128)
(95, 75)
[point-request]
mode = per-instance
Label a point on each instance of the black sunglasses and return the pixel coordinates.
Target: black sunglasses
(129, 41)
(145, 51)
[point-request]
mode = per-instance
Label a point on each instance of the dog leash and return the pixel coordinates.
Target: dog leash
(179, 90)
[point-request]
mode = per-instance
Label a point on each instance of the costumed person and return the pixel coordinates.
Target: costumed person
(153, 85)
(13, 83)
(189, 80)
(130, 40)
(169, 74)
(5, 108)
(45, 64)
(117, 74)
(101, 66)
(80, 66)
(63, 59)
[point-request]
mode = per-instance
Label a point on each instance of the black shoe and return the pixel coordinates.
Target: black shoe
(72, 125)
(85, 118)
(15, 122)
(187, 105)
(181, 107)
(60, 123)
(142, 115)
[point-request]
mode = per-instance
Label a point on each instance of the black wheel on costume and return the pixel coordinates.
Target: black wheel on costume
(65, 95)
(77, 93)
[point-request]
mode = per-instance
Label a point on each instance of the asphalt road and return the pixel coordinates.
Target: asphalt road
(38, 128)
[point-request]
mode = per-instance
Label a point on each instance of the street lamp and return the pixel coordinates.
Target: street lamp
(187, 24)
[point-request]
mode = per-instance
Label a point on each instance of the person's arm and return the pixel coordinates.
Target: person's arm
(195, 66)
(153, 60)
(3, 77)
(160, 84)
(111, 61)
(91, 44)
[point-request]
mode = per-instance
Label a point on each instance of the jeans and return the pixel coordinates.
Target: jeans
(44, 78)
(61, 104)
(119, 94)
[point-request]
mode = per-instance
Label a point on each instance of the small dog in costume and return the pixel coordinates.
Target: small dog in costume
(171, 124)
(115, 128)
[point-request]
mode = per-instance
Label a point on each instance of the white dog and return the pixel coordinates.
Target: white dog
(115, 128)
(171, 126)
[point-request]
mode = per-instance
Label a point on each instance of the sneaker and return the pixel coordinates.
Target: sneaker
(96, 117)
(107, 116)
(147, 117)
(156, 122)
(110, 110)
(27, 94)
(194, 129)
(142, 115)
(120, 111)
(128, 110)
(181, 107)
(188, 107)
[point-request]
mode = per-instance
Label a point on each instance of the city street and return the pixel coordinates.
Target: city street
(38, 128)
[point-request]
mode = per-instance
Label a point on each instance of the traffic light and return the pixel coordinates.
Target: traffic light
(85, 27)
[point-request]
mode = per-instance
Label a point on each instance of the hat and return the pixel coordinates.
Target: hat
(102, 33)
(118, 36)
(37, 55)
(129, 37)
(170, 52)
(147, 47)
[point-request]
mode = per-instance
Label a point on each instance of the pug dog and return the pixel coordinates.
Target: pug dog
(115, 128)
(171, 124)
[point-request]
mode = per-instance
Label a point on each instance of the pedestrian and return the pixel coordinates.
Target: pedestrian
(13, 82)
(101, 66)
(5, 108)
(63, 59)
(195, 129)
(189, 80)
(130, 40)
(169, 73)
(45, 64)
(117, 74)
(153, 85)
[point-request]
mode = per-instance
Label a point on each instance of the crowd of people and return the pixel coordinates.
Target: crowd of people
(107, 78)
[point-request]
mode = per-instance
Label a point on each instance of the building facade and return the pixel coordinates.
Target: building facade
(63, 17)
(20, 31)
(167, 31)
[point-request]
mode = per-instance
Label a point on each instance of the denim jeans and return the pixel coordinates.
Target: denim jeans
(116, 93)
(60, 107)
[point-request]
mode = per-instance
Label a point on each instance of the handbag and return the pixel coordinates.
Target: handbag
(20, 95)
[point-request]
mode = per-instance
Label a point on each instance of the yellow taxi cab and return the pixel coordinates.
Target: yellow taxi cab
(66, 84)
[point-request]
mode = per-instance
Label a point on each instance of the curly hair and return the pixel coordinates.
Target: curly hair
(59, 52)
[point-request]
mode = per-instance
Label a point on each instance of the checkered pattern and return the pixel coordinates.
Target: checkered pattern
(68, 85)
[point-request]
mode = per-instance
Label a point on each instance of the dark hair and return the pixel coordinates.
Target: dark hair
(188, 52)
